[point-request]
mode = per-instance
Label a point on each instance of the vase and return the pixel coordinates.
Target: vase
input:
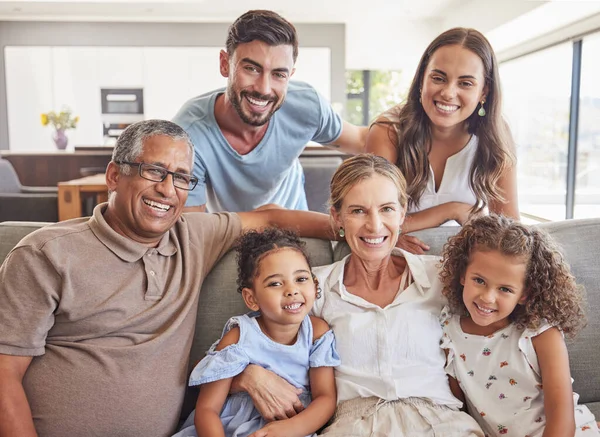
(60, 139)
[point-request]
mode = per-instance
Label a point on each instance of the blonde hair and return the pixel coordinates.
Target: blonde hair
(360, 167)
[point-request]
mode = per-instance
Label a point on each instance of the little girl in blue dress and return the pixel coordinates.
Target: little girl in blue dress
(276, 282)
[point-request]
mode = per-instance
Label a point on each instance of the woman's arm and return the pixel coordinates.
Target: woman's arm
(318, 412)
(379, 140)
(556, 381)
(322, 406)
(273, 396)
(508, 184)
(437, 216)
(212, 396)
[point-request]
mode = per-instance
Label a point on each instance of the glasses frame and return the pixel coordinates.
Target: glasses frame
(193, 179)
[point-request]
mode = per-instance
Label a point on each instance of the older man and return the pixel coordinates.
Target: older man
(248, 136)
(97, 314)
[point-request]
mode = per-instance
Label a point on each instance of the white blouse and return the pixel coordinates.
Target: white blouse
(454, 186)
(390, 352)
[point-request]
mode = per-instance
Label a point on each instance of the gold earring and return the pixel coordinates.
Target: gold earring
(481, 111)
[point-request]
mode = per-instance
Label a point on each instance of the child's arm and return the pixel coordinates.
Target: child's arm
(320, 410)
(553, 359)
(212, 396)
(455, 387)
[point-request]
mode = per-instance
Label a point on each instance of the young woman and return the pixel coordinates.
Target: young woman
(448, 138)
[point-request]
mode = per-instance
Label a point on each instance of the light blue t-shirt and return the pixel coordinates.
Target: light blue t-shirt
(271, 172)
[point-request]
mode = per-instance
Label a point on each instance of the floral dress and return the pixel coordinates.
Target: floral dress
(500, 377)
(292, 362)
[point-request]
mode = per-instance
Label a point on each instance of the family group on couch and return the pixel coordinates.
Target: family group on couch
(97, 314)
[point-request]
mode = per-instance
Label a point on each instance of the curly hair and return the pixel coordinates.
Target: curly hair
(552, 293)
(253, 245)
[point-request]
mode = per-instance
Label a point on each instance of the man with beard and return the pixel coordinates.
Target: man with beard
(248, 137)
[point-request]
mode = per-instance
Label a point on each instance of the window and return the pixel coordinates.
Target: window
(536, 105)
(369, 93)
(587, 180)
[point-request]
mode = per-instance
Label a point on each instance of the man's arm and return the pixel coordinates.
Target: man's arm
(351, 140)
(15, 413)
(199, 208)
(306, 223)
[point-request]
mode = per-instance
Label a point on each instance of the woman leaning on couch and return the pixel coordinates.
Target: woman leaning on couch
(449, 138)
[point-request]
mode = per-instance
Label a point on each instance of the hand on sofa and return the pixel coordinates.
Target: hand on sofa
(411, 244)
(273, 396)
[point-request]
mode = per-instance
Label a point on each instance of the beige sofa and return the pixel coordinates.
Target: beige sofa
(219, 299)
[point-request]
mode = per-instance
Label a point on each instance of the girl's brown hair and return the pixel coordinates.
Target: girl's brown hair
(552, 294)
(412, 134)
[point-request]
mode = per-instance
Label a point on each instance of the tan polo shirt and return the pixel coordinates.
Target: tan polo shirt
(109, 321)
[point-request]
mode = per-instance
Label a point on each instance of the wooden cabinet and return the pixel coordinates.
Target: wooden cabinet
(48, 169)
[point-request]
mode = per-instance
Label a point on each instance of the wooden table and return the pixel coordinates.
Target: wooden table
(70, 195)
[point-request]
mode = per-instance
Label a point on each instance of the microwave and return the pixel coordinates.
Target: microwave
(122, 101)
(120, 108)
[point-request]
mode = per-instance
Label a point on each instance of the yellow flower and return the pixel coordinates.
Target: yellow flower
(60, 121)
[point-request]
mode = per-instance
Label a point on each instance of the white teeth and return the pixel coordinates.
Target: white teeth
(485, 310)
(374, 240)
(257, 102)
(157, 205)
(447, 108)
(293, 306)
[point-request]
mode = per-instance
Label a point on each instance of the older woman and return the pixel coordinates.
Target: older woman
(383, 304)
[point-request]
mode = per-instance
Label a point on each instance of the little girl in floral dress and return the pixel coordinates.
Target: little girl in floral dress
(511, 298)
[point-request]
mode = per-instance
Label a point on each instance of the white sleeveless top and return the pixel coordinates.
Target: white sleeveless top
(455, 182)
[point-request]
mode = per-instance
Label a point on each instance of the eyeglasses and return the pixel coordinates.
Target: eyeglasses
(156, 173)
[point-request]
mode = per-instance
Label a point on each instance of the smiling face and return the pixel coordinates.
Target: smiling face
(258, 76)
(141, 209)
(452, 86)
(283, 290)
(371, 216)
(493, 286)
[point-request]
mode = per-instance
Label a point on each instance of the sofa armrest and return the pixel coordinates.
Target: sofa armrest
(28, 207)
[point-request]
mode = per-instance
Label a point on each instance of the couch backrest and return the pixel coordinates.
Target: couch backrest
(219, 299)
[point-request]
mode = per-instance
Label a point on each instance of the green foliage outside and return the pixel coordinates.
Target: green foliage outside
(387, 88)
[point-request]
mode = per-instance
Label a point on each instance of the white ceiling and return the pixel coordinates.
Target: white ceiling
(313, 11)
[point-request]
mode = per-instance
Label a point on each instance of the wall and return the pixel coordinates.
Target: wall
(153, 35)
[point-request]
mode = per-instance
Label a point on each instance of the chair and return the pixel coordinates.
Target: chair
(19, 203)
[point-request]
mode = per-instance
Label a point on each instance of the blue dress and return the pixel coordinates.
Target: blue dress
(239, 416)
